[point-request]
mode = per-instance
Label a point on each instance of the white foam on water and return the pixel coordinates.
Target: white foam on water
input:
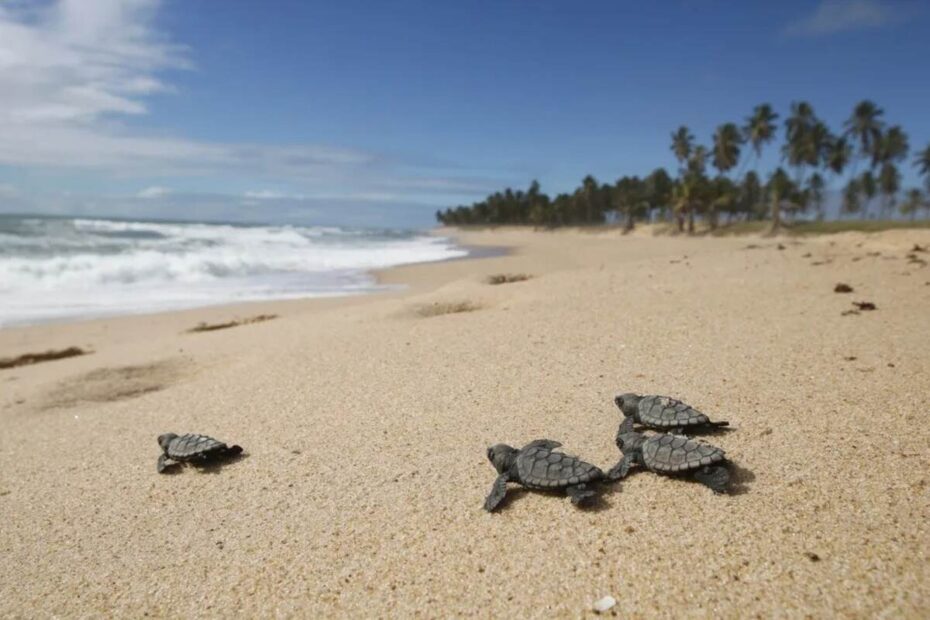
(55, 269)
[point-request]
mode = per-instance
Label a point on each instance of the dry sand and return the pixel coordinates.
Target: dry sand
(366, 420)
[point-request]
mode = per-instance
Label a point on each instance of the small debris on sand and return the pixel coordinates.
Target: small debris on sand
(865, 305)
(919, 248)
(821, 262)
(212, 327)
(813, 557)
(850, 358)
(604, 604)
(780, 246)
(34, 358)
(440, 308)
(842, 288)
(507, 278)
(752, 246)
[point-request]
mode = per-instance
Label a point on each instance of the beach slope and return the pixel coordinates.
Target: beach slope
(365, 422)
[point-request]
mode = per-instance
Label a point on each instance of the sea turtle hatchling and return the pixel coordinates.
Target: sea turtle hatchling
(664, 413)
(192, 448)
(538, 466)
(670, 455)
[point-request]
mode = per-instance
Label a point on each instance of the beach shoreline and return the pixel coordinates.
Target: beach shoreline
(365, 421)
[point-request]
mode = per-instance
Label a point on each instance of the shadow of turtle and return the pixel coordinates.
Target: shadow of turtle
(739, 479)
(736, 485)
(595, 503)
(215, 464)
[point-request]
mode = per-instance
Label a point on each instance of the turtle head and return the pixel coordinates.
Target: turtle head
(628, 403)
(164, 440)
(629, 440)
(502, 457)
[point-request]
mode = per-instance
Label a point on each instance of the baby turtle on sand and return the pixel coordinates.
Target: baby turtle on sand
(670, 455)
(664, 413)
(192, 448)
(537, 466)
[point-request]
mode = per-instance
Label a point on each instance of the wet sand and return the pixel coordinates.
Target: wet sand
(365, 422)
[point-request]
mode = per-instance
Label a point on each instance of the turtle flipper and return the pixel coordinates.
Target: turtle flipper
(498, 491)
(716, 478)
(621, 469)
(164, 463)
(579, 493)
(543, 443)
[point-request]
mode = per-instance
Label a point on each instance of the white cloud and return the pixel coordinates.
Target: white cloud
(69, 70)
(155, 191)
(72, 71)
(75, 61)
(269, 194)
(832, 16)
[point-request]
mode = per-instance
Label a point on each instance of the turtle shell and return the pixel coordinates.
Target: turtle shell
(541, 468)
(664, 412)
(673, 453)
(192, 447)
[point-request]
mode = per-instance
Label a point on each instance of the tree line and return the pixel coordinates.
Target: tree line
(864, 157)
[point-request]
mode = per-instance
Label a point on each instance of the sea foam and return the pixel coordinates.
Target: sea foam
(61, 268)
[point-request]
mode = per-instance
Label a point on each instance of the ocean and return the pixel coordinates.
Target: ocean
(62, 268)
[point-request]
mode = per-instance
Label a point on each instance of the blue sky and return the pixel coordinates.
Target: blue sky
(379, 113)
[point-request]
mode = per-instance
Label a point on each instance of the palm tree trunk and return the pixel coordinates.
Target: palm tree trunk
(776, 213)
(691, 220)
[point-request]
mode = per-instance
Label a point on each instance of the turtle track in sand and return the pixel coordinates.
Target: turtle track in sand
(104, 385)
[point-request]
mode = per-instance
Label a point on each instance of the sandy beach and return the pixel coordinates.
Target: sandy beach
(365, 422)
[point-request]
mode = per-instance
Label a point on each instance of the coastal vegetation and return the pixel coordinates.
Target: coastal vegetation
(859, 163)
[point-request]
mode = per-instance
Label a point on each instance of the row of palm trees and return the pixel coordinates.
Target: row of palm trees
(815, 158)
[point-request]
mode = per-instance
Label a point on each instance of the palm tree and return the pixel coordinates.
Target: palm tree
(629, 198)
(892, 146)
(722, 196)
(868, 187)
(750, 196)
(658, 189)
(837, 152)
(779, 187)
(913, 202)
(804, 137)
(865, 126)
(682, 143)
(889, 182)
(922, 162)
(815, 188)
(686, 199)
(727, 142)
(851, 202)
(760, 128)
(801, 119)
(697, 163)
(587, 200)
